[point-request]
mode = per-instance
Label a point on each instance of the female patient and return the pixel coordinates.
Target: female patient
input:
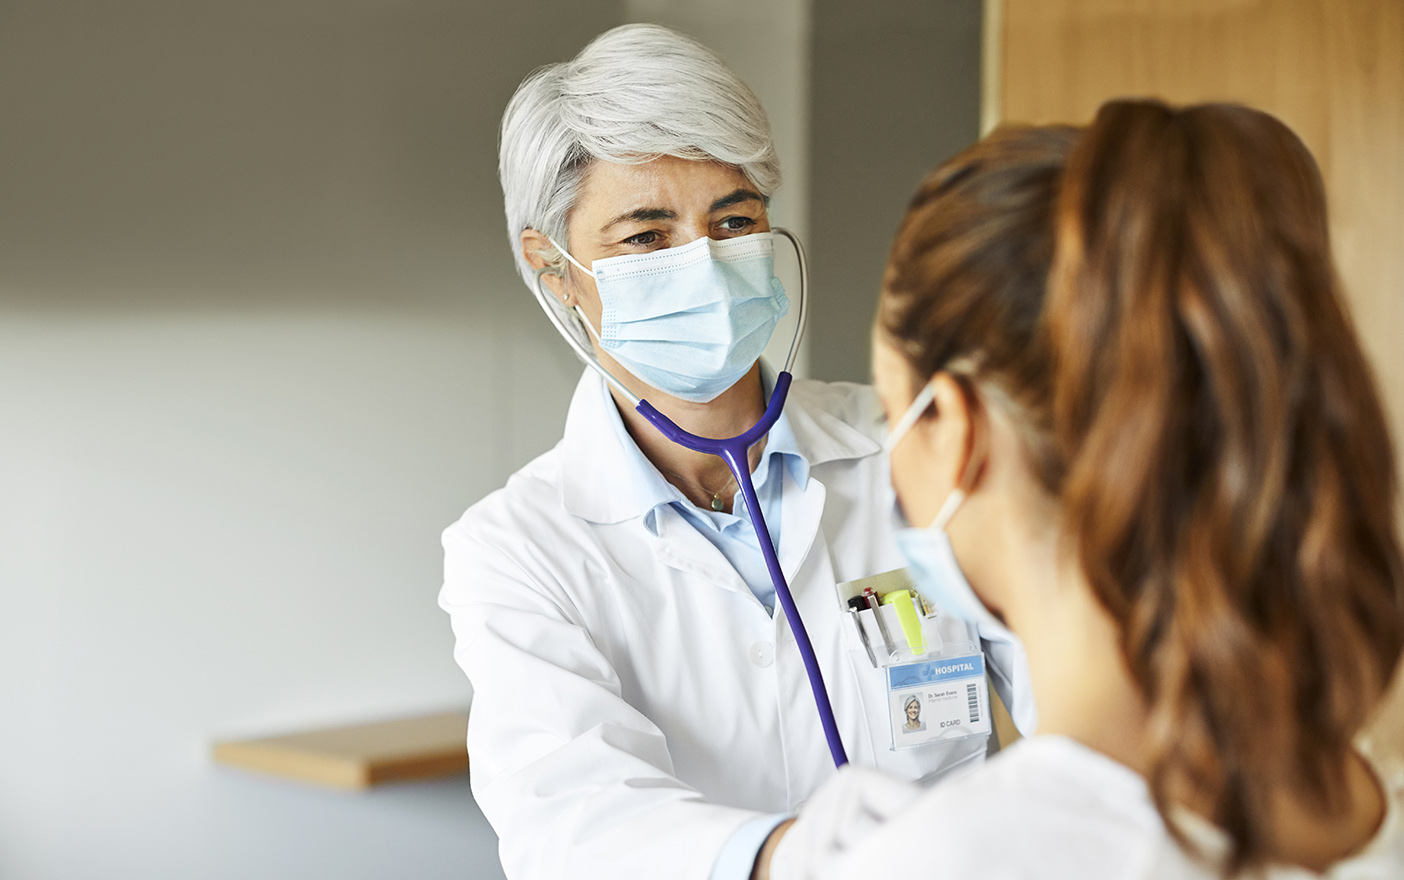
(1172, 480)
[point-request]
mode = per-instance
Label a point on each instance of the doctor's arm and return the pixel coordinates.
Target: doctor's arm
(576, 781)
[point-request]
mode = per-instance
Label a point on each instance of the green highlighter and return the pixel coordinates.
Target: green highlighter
(901, 601)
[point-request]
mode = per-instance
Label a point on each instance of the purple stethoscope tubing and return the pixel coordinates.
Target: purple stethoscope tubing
(734, 451)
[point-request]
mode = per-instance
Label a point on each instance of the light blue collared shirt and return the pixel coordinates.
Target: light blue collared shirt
(731, 533)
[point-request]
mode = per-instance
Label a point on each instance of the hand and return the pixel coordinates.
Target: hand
(847, 809)
(761, 871)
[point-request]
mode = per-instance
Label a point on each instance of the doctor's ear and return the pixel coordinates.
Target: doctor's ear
(956, 435)
(535, 247)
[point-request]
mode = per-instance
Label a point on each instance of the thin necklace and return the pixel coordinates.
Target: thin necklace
(717, 504)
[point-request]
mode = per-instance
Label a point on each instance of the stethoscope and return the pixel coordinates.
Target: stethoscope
(733, 451)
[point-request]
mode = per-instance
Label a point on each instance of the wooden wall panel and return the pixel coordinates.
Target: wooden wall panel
(1331, 69)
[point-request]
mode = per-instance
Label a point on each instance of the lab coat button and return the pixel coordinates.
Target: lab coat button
(762, 654)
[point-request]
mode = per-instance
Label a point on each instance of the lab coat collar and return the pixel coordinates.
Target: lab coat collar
(598, 482)
(604, 481)
(821, 433)
(782, 437)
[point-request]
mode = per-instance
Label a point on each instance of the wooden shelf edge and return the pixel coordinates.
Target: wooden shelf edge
(358, 756)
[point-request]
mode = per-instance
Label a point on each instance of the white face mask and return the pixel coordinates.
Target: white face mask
(689, 320)
(936, 574)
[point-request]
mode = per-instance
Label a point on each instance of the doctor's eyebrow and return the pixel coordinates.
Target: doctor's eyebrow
(642, 215)
(648, 215)
(736, 198)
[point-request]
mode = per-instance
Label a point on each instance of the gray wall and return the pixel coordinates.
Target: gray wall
(895, 89)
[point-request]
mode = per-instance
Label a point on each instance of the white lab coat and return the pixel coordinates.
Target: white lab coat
(634, 703)
(1076, 815)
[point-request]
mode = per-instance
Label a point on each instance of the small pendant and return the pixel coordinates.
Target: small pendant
(717, 503)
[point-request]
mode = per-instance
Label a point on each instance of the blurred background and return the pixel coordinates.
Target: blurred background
(261, 339)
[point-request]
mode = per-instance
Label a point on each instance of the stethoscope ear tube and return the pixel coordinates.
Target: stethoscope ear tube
(803, 316)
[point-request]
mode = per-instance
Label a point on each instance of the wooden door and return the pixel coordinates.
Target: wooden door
(1331, 69)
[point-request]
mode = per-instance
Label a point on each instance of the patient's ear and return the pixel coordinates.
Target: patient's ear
(954, 436)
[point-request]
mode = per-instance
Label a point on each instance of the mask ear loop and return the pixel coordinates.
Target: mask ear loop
(577, 264)
(565, 253)
(915, 411)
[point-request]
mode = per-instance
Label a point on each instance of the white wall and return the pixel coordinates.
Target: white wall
(260, 341)
(223, 524)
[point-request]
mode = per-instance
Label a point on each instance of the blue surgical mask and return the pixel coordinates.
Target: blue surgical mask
(936, 574)
(689, 320)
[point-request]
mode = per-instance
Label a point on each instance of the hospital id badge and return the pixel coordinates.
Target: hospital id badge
(938, 699)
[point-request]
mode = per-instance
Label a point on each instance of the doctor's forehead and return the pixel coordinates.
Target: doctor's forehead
(664, 188)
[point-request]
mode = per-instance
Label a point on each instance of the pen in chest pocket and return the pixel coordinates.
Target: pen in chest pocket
(856, 604)
(873, 603)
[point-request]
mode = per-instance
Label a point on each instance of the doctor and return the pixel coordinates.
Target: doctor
(640, 710)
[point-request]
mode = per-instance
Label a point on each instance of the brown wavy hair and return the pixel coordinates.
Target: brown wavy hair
(966, 276)
(1192, 391)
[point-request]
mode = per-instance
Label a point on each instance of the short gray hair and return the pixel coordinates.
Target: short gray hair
(637, 92)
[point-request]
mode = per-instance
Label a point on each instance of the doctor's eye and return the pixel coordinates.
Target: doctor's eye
(644, 239)
(738, 223)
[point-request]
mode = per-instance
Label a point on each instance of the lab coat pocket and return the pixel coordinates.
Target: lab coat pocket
(921, 678)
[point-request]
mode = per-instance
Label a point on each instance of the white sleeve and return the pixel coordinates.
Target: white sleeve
(576, 782)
